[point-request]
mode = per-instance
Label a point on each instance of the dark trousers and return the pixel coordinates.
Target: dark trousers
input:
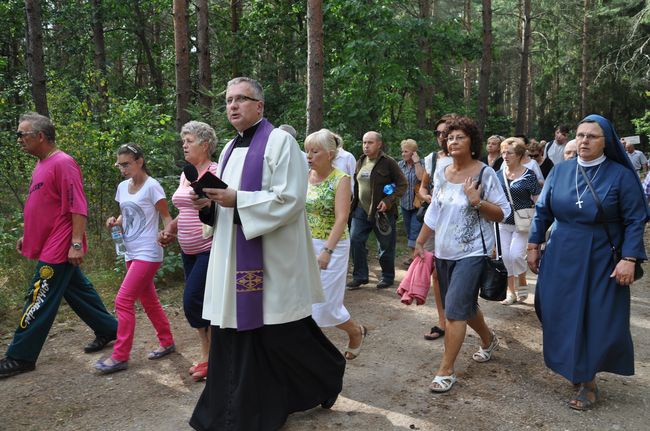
(196, 270)
(359, 233)
(51, 283)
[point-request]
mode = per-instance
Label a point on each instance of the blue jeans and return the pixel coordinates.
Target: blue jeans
(359, 233)
(411, 225)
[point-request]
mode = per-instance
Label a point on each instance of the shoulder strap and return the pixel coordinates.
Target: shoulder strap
(505, 181)
(601, 212)
(496, 228)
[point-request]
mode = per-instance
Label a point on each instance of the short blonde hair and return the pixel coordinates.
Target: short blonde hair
(409, 144)
(324, 139)
(518, 145)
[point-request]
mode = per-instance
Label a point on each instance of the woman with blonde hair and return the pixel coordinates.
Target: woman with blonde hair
(413, 169)
(493, 157)
(522, 189)
(328, 207)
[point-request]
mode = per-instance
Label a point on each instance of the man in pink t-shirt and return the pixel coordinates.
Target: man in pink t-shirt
(54, 234)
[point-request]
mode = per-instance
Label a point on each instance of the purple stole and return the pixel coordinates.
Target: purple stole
(249, 278)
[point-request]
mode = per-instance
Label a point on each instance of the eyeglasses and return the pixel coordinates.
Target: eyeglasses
(439, 133)
(456, 138)
(534, 156)
(21, 135)
(240, 99)
(123, 165)
(587, 136)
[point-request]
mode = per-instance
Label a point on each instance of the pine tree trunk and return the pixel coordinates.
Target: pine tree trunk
(99, 59)
(156, 75)
(181, 46)
(235, 12)
(203, 43)
(314, 65)
(486, 66)
(467, 66)
(425, 87)
(523, 71)
(35, 58)
(584, 76)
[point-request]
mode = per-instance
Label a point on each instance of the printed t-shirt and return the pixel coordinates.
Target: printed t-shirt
(140, 220)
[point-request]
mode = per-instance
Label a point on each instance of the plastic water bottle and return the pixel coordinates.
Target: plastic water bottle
(389, 189)
(118, 239)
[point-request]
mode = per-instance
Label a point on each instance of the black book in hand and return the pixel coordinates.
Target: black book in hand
(207, 180)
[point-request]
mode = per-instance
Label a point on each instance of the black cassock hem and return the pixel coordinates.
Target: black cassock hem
(257, 378)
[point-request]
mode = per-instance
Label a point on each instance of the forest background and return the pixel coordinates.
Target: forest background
(115, 71)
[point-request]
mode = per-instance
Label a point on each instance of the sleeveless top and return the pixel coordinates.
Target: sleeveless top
(320, 205)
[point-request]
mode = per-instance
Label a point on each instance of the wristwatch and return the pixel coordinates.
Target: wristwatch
(478, 205)
(76, 245)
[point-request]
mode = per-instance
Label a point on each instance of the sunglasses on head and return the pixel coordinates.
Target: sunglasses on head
(130, 148)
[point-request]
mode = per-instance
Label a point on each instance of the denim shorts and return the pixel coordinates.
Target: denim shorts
(459, 285)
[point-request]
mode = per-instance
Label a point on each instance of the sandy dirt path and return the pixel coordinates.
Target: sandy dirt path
(384, 389)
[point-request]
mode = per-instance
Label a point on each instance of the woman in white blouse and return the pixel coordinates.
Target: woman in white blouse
(467, 199)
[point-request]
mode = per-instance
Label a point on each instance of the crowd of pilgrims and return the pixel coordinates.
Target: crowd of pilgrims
(583, 199)
(443, 210)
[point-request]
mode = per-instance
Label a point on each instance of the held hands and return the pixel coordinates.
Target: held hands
(165, 238)
(472, 191)
(623, 272)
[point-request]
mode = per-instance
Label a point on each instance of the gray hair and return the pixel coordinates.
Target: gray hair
(289, 129)
(39, 123)
(258, 91)
(203, 132)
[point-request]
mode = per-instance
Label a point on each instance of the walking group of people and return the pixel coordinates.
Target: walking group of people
(266, 252)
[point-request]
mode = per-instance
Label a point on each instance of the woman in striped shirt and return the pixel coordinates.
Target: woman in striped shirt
(199, 142)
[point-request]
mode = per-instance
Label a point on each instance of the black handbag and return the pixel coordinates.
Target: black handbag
(493, 284)
(421, 212)
(616, 252)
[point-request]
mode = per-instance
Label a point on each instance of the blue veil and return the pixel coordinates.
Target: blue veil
(615, 151)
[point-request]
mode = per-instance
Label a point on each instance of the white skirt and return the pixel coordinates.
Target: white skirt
(332, 312)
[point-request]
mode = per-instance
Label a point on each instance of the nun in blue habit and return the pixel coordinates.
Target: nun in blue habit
(583, 295)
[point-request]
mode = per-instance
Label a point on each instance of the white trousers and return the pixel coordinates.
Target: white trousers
(513, 246)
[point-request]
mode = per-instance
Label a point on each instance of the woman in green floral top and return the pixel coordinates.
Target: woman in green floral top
(328, 207)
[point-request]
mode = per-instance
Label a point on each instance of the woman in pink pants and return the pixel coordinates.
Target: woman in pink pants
(142, 203)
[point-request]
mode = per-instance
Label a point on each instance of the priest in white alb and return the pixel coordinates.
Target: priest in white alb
(268, 358)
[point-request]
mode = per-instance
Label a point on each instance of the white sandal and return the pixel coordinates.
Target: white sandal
(444, 383)
(354, 352)
(484, 355)
(511, 298)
